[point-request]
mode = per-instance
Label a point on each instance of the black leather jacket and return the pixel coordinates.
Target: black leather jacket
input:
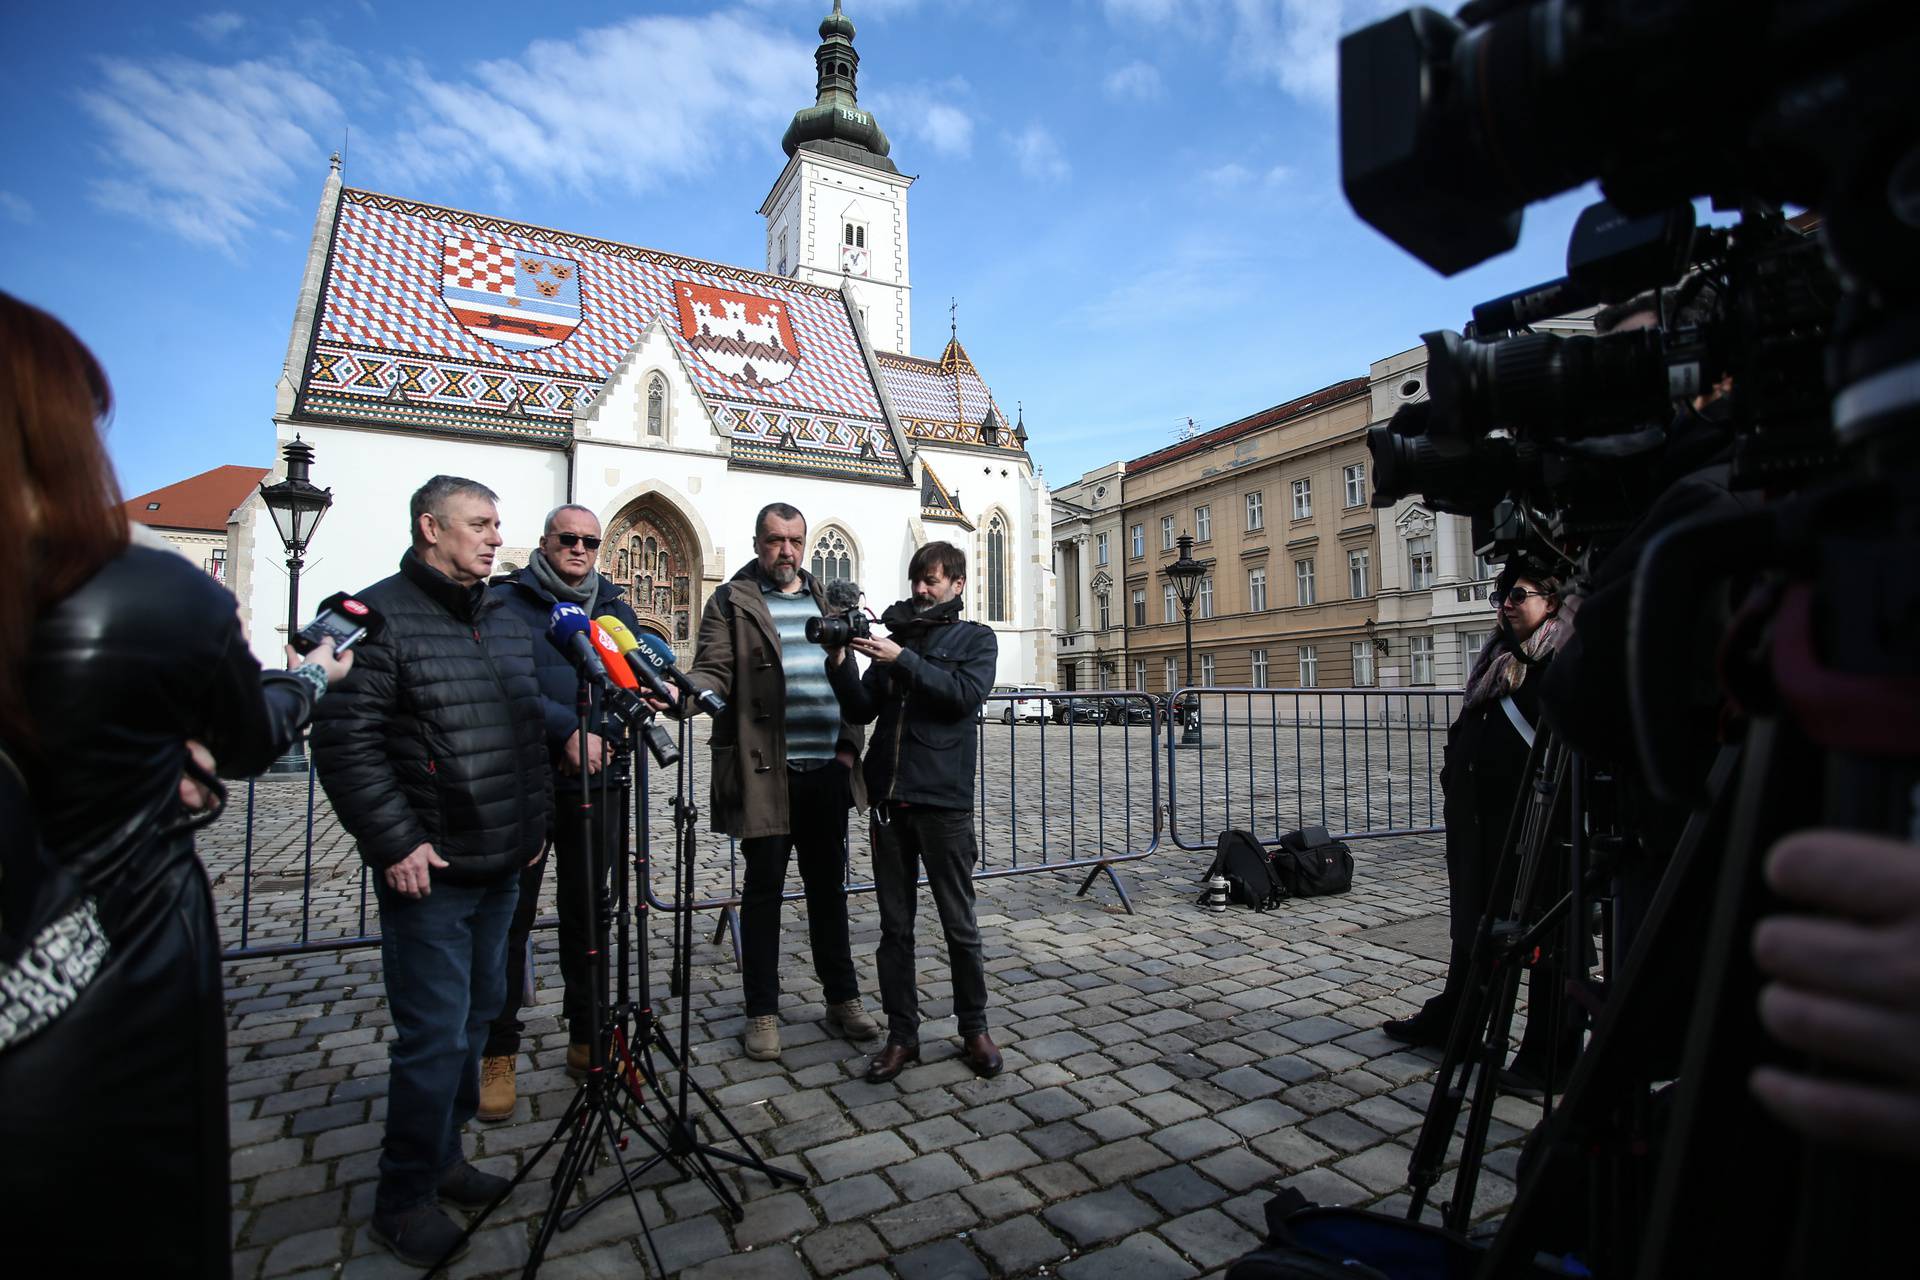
(926, 747)
(436, 736)
(146, 654)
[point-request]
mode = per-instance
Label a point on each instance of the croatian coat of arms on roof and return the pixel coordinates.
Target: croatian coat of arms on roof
(745, 336)
(513, 298)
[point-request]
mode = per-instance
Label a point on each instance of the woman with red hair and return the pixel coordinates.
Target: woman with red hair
(113, 1103)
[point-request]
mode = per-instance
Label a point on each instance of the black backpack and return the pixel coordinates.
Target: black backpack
(1309, 864)
(1239, 857)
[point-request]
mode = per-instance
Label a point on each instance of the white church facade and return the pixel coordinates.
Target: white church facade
(672, 396)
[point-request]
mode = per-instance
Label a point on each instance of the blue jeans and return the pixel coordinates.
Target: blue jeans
(445, 958)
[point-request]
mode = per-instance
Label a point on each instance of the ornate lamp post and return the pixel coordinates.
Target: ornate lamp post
(1185, 574)
(296, 504)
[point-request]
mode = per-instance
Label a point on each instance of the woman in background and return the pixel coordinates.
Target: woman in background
(113, 1101)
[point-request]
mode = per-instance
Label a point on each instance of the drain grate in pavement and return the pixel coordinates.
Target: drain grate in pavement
(1424, 936)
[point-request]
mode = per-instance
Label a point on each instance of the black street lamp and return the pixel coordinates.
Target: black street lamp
(1185, 574)
(296, 504)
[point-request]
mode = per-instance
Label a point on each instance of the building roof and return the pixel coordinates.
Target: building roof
(935, 502)
(946, 401)
(203, 502)
(458, 322)
(1246, 426)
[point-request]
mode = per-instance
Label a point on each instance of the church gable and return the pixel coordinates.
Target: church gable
(946, 401)
(439, 320)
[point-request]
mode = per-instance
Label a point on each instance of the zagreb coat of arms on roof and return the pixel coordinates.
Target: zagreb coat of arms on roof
(513, 298)
(743, 335)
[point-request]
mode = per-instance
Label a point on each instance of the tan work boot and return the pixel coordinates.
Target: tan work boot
(763, 1038)
(851, 1020)
(579, 1060)
(496, 1088)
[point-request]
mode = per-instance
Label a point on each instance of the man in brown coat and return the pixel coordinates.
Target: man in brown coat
(784, 772)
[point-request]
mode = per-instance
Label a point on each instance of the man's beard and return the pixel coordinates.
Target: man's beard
(924, 604)
(782, 574)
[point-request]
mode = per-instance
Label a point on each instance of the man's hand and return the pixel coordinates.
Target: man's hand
(411, 877)
(656, 704)
(1846, 988)
(322, 656)
(194, 795)
(596, 753)
(879, 648)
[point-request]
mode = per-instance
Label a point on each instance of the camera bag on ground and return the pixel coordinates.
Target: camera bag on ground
(1310, 864)
(1308, 1242)
(1250, 880)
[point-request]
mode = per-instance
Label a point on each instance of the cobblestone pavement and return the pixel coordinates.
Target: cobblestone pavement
(1166, 1070)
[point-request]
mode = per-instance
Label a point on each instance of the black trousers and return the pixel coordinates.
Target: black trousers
(577, 904)
(817, 804)
(907, 838)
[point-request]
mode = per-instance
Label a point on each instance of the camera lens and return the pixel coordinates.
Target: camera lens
(1545, 386)
(828, 633)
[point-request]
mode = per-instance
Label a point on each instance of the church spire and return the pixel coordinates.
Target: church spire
(834, 124)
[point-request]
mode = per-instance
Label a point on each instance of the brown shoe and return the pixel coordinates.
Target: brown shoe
(981, 1055)
(496, 1088)
(891, 1061)
(579, 1060)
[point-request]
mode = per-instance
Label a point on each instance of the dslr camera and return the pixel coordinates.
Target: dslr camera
(844, 619)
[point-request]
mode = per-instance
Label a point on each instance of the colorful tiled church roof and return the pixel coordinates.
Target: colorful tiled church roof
(201, 502)
(946, 401)
(459, 322)
(936, 503)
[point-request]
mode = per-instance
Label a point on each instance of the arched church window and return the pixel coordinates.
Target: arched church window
(832, 556)
(846, 233)
(657, 406)
(997, 570)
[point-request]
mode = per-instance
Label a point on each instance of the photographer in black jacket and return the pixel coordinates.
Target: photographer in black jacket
(433, 752)
(923, 687)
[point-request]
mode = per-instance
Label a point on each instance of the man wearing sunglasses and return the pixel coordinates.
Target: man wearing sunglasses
(562, 571)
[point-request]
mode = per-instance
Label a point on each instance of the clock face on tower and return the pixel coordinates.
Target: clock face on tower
(853, 260)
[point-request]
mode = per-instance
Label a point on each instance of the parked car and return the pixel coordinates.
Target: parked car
(1016, 709)
(1135, 710)
(1079, 711)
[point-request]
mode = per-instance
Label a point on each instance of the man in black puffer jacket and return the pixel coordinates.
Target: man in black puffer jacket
(434, 754)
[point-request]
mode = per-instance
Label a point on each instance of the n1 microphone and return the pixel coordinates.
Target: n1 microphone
(627, 646)
(617, 671)
(654, 651)
(568, 629)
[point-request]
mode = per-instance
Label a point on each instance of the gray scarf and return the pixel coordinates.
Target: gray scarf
(558, 587)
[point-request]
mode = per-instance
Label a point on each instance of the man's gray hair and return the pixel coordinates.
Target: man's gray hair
(567, 506)
(779, 510)
(432, 497)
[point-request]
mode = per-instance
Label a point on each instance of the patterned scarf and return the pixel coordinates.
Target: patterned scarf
(562, 590)
(1502, 666)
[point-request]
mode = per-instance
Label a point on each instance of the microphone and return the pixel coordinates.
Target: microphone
(609, 652)
(568, 629)
(634, 665)
(655, 653)
(843, 595)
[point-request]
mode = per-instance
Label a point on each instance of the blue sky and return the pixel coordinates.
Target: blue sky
(1135, 203)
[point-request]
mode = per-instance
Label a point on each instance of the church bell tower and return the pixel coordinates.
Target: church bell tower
(837, 216)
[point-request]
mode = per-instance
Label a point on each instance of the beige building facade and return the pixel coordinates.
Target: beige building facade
(1089, 627)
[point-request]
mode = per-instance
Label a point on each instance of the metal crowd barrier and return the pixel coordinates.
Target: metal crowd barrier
(1067, 783)
(1360, 762)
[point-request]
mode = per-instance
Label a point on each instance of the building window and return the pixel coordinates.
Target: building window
(1420, 649)
(1173, 674)
(1206, 670)
(1205, 598)
(1140, 673)
(997, 570)
(1303, 579)
(1420, 562)
(853, 235)
(1099, 548)
(1106, 678)
(1203, 524)
(1471, 643)
(1357, 574)
(1356, 476)
(1302, 499)
(1363, 664)
(1140, 607)
(783, 254)
(832, 556)
(1257, 660)
(1166, 533)
(1256, 513)
(216, 564)
(1138, 537)
(1106, 609)
(1484, 568)
(656, 406)
(1257, 589)
(1170, 604)
(1309, 666)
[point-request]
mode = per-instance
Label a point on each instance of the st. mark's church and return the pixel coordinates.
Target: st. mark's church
(672, 396)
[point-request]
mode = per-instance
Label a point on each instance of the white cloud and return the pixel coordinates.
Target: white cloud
(1039, 154)
(629, 104)
(1137, 80)
(204, 150)
(1295, 43)
(1226, 177)
(15, 207)
(926, 114)
(218, 26)
(1147, 12)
